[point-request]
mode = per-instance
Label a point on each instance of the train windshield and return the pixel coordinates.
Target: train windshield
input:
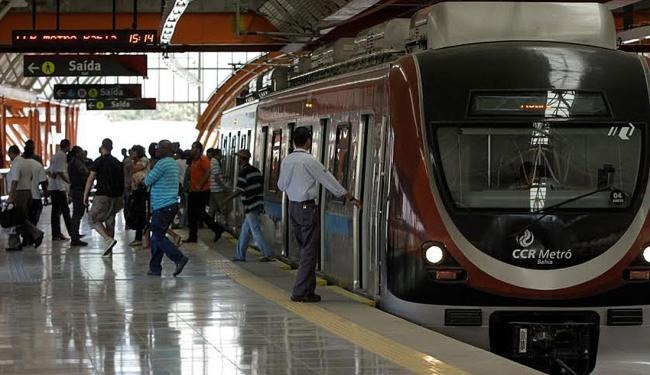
(540, 165)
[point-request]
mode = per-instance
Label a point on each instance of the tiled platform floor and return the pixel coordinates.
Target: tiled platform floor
(69, 311)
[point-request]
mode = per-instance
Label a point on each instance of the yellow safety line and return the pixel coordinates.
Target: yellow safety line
(393, 351)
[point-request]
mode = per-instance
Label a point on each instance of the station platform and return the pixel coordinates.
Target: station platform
(71, 311)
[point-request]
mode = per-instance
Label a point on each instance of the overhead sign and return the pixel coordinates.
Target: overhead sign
(83, 38)
(97, 91)
(120, 104)
(84, 65)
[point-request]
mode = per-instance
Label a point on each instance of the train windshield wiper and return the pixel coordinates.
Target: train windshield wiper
(573, 199)
(545, 210)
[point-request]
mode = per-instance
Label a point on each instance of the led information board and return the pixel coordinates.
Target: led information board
(83, 38)
(120, 104)
(84, 65)
(97, 91)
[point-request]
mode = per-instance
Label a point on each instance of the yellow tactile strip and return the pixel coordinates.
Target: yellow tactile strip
(393, 351)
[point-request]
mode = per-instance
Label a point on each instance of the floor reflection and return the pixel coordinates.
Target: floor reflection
(68, 311)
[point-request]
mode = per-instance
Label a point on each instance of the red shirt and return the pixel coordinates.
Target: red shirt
(198, 169)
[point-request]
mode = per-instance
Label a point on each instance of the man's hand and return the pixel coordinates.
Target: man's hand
(86, 201)
(357, 203)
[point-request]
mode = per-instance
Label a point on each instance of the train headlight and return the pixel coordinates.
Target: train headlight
(646, 254)
(434, 254)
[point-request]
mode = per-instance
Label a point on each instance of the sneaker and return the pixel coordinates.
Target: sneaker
(135, 243)
(38, 241)
(151, 273)
(110, 244)
(78, 243)
(180, 265)
(312, 298)
(238, 260)
(267, 259)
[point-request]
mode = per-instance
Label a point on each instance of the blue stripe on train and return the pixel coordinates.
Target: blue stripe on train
(334, 223)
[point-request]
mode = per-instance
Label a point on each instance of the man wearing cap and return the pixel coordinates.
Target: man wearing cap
(108, 196)
(249, 186)
(300, 175)
(163, 181)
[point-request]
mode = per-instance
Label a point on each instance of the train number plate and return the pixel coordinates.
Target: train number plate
(523, 340)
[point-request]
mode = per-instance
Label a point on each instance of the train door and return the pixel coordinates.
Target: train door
(320, 137)
(274, 225)
(372, 214)
(289, 248)
(340, 218)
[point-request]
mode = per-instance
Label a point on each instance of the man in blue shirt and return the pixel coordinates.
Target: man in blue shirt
(163, 180)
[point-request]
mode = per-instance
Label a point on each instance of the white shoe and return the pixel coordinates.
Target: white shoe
(110, 244)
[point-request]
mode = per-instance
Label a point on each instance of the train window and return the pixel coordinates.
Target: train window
(557, 103)
(342, 154)
(541, 165)
(276, 155)
(292, 127)
(243, 141)
(265, 140)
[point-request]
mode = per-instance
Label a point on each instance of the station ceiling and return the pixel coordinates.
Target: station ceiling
(289, 25)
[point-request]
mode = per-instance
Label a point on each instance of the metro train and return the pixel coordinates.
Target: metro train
(504, 175)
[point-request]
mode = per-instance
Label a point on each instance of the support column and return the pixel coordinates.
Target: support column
(30, 125)
(3, 133)
(36, 133)
(68, 121)
(46, 133)
(58, 119)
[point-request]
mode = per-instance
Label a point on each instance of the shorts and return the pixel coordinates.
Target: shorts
(104, 208)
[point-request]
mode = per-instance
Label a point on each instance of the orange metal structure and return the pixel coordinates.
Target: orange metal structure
(224, 97)
(20, 121)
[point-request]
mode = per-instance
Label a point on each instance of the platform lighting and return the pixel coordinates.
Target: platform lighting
(646, 254)
(434, 254)
(172, 19)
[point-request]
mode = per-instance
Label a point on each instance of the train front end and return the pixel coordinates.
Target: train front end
(518, 201)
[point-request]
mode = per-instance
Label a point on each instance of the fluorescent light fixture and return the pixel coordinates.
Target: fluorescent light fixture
(631, 41)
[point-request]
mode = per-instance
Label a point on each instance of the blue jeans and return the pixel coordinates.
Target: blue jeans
(161, 219)
(252, 226)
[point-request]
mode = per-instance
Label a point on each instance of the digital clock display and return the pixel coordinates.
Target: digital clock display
(84, 38)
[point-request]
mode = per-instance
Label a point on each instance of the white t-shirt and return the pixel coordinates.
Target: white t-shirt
(182, 167)
(20, 171)
(38, 176)
(59, 163)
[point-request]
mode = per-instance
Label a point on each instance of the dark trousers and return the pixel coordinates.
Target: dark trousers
(28, 231)
(78, 210)
(196, 212)
(161, 219)
(60, 207)
(35, 210)
(305, 221)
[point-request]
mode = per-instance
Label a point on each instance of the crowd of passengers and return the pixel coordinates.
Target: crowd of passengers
(160, 190)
